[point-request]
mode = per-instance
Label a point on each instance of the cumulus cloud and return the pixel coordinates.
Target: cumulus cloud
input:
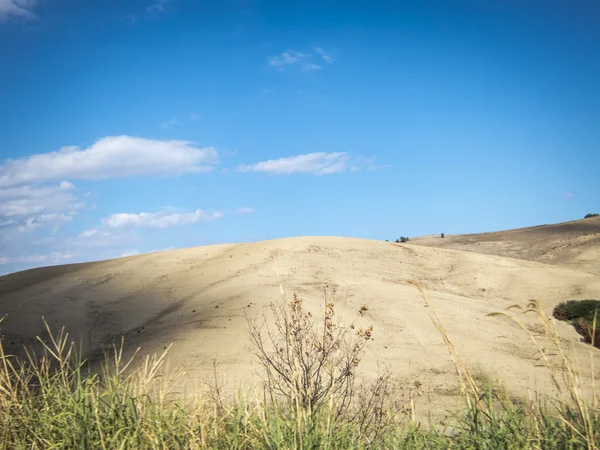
(314, 163)
(50, 258)
(17, 8)
(368, 164)
(160, 219)
(9, 222)
(306, 60)
(110, 157)
(287, 58)
(319, 163)
(158, 7)
(152, 10)
(31, 200)
(22, 251)
(323, 54)
(311, 66)
(89, 233)
(54, 219)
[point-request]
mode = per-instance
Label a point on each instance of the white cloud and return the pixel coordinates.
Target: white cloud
(170, 122)
(30, 200)
(287, 58)
(314, 163)
(9, 222)
(323, 54)
(54, 219)
(110, 157)
(244, 210)
(158, 7)
(50, 258)
(130, 253)
(307, 60)
(22, 251)
(17, 8)
(195, 116)
(54, 257)
(311, 66)
(88, 233)
(159, 219)
(368, 164)
(106, 239)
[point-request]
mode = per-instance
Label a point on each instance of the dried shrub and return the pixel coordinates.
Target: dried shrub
(311, 364)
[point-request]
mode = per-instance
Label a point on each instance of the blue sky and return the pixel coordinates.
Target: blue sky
(135, 126)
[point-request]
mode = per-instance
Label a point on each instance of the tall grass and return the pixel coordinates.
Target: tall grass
(52, 401)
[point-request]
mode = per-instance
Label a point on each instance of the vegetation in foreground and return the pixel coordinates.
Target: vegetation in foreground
(311, 399)
(582, 315)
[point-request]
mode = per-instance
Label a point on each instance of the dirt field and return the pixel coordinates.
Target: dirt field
(198, 299)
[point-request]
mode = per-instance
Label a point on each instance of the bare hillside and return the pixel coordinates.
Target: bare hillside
(198, 299)
(573, 244)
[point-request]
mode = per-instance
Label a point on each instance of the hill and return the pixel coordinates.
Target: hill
(573, 244)
(198, 299)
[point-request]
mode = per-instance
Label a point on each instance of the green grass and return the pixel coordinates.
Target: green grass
(52, 402)
(582, 315)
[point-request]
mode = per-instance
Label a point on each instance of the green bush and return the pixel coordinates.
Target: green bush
(587, 216)
(402, 239)
(580, 313)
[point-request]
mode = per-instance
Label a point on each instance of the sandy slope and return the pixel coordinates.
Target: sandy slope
(573, 244)
(197, 298)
